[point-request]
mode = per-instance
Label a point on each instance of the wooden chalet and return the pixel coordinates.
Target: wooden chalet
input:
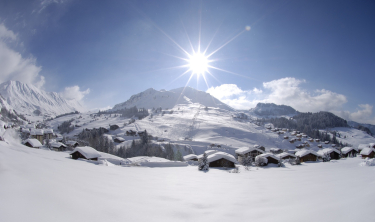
(276, 150)
(320, 145)
(118, 140)
(367, 152)
(259, 147)
(113, 127)
(285, 156)
(37, 134)
(33, 143)
(131, 133)
(248, 151)
(85, 152)
(286, 137)
(57, 146)
(307, 155)
(48, 134)
(221, 159)
(349, 152)
(71, 143)
(332, 152)
(271, 158)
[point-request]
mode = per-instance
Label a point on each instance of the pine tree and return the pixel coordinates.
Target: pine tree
(145, 138)
(203, 163)
(178, 156)
(247, 162)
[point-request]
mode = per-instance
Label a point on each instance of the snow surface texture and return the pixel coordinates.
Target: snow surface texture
(152, 98)
(41, 185)
(26, 98)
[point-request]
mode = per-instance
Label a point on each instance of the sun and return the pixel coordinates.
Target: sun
(198, 63)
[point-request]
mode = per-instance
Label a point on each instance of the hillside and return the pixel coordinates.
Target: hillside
(271, 109)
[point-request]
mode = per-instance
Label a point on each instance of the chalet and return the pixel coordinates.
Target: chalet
(310, 140)
(286, 137)
(271, 158)
(349, 151)
(113, 127)
(298, 139)
(285, 156)
(37, 134)
(208, 152)
(33, 143)
(85, 152)
(248, 151)
(332, 152)
(48, 134)
(367, 152)
(326, 142)
(317, 140)
(293, 133)
(307, 155)
(372, 145)
(260, 147)
(221, 159)
(285, 129)
(292, 140)
(300, 146)
(118, 140)
(57, 146)
(333, 145)
(140, 133)
(304, 135)
(71, 143)
(280, 132)
(299, 135)
(131, 133)
(276, 150)
(320, 145)
(191, 157)
(362, 146)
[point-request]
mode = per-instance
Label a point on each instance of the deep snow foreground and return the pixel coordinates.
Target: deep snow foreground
(41, 185)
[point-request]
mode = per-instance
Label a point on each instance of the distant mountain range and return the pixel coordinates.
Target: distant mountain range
(152, 98)
(27, 99)
(271, 109)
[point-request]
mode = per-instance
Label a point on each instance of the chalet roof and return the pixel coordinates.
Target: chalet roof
(372, 145)
(36, 132)
(25, 130)
(87, 152)
(190, 156)
(347, 149)
(266, 155)
(208, 152)
(71, 142)
(361, 146)
(305, 152)
(245, 150)
(219, 155)
(57, 144)
(367, 151)
(33, 142)
(120, 139)
(48, 131)
(327, 150)
(275, 149)
(282, 155)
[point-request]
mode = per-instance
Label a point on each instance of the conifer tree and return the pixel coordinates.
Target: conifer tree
(203, 163)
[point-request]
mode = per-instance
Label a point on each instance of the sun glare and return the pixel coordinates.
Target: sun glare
(198, 63)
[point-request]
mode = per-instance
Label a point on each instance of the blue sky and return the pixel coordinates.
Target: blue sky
(312, 55)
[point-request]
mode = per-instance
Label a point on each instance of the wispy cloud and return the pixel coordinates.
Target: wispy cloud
(290, 91)
(13, 65)
(74, 93)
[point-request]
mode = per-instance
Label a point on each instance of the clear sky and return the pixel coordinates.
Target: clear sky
(312, 55)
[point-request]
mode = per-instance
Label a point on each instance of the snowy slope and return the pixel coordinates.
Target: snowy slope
(26, 98)
(42, 185)
(152, 98)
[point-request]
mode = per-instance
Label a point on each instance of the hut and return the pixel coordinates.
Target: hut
(286, 137)
(320, 145)
(37, 134)
(221, 159)
(292, 140)
(326, 142)
(300, 146)
(260, 147)
(307, 155)
(317, 140)
(208, 152)
(48, 134)
(368, 152)
(276, 150)
(85, 152)
(113, 127)
(57, 146)
(285, 156)
(332, 152)
(33, 143)
(349, 151)
(73, 144)
(372, 145)
(118, 140)
(362, 146)
(248, 151)
(191, 157)
(271, 158)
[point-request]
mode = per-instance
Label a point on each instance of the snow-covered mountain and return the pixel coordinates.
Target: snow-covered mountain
(26, 99)
(271, 109)
(152, 98)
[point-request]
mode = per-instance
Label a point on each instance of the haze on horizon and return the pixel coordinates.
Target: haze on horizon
(312, 56)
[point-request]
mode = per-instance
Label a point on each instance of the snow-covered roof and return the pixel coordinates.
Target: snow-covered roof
(265, 155)
(305, 152)
(57, 144)
(120, 139)
(190, 156)
(327, 150)
(361, 146)
(367, 151)
(282, 155)
(30, 126)
(347, 149)
(33, 142)
(208, 152)
(71, 142)
(36, 132)
(87, 152)
(372, 145)
(48, 131)
(219, 155)
(257, 146)
(244, 150)
(275, 149)
(25, 130)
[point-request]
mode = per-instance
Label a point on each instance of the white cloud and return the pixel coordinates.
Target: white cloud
(74, 93)
(362, 115)
(13, 65)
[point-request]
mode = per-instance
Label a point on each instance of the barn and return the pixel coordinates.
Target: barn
(85, 152)
(221, 159)
(368, 152)
(191, 157)
(307, 155)
(248, 151)
(285, 156)
(33, 143)
(271, 158)
(349, 151)
(333, 153)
